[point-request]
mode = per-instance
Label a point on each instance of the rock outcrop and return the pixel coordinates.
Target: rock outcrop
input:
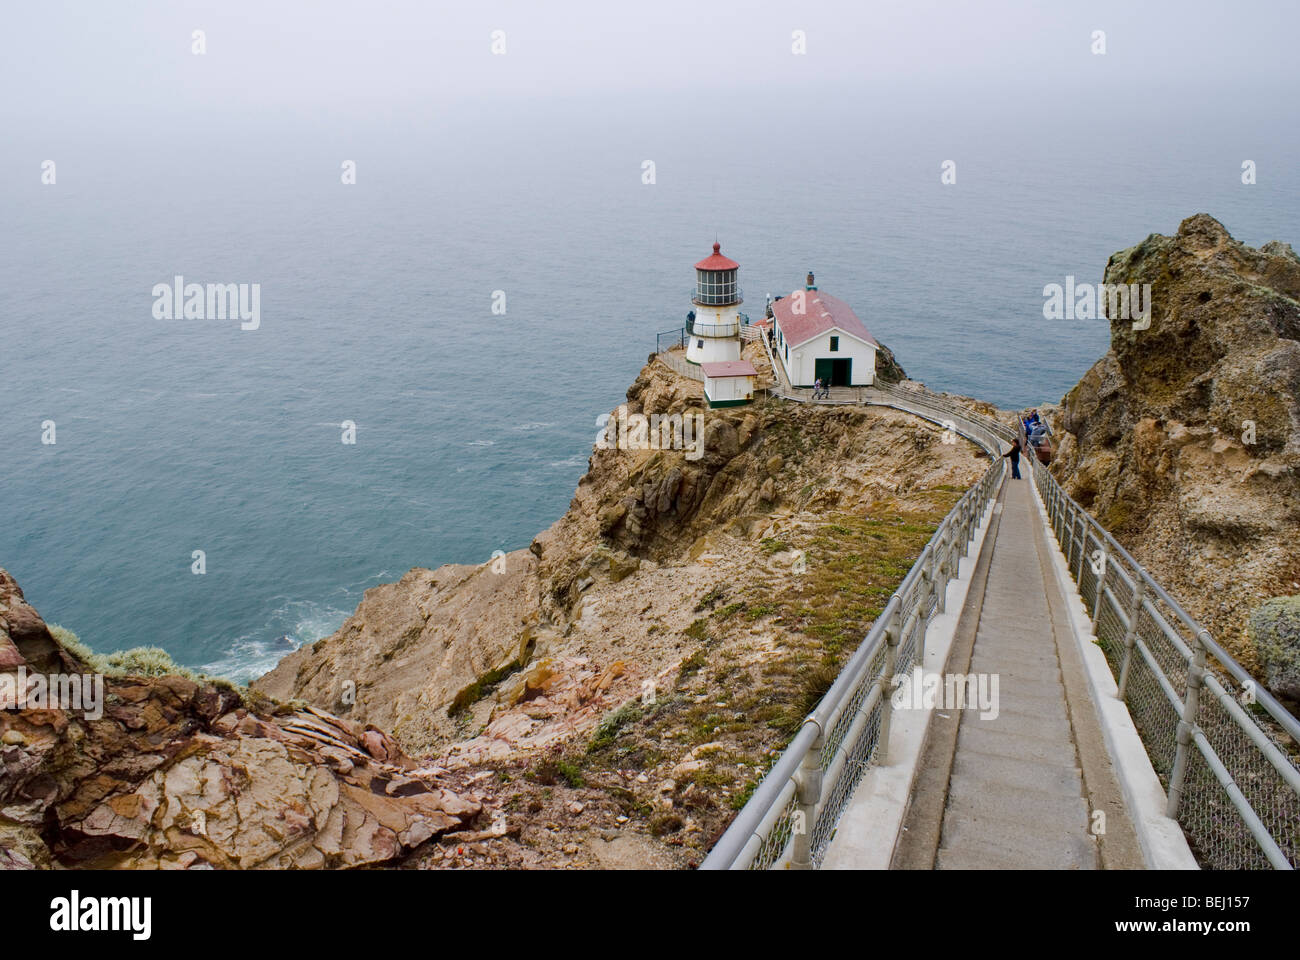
(413, 645)
(1275, 634)
(177, 774)
(418, 651)
(1184, 439)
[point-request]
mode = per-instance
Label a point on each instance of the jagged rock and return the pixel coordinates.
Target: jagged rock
(888, 368)
(1184, 439)
(1275, 632)
(412, 646)
(721, 439)
(162, 780)
(611, 515)
(621, 566)
(410, 652)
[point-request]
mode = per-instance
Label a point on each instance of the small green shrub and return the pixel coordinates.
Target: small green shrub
(612, 725)
(70, 642)
(699, 630)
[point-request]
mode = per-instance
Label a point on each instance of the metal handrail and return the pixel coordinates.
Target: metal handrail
(788, 808)
(1232, 784)
(729, 329)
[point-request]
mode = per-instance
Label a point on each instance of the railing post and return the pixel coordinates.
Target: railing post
(888, 681)
(924, 592)
(1130, 635)
(941, 600)
(1100, 588)
(1186, 724)
(1083, 552)
(808, 793)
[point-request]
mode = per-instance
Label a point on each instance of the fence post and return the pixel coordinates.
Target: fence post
(808, 793)
(1186, 723)
(1083, 551)
(942, 599)
(1130, 635)
(1100, 588)
(888, 681)
(924, 592)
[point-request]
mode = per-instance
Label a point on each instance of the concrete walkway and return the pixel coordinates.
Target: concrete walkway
(1017, 791)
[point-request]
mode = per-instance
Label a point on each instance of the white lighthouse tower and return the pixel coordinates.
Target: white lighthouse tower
(714, 324)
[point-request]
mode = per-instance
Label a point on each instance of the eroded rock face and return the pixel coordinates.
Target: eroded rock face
(1275, 632)
(412, 646)
(434, 657)
(175, 774)
(1184, 439)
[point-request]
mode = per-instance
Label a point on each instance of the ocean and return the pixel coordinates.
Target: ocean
(472, 427)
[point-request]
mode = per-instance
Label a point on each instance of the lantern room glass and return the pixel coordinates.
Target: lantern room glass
(716, 287)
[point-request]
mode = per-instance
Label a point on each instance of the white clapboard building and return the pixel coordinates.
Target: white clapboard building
(728, 383)
(816, 336)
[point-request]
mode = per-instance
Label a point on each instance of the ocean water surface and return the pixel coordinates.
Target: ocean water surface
(472, 428)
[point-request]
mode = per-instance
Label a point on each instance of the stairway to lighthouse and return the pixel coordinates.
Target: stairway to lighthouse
(1032, 787)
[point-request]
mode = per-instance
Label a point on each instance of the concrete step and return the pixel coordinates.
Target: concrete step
(1004, 667)
(1035, 811)
(1063, 780)
(985, 739)
(1019, 647)
(1041, 689)
(1012, 624)
(1017, 700)
(1009, 720)
(1075, 851)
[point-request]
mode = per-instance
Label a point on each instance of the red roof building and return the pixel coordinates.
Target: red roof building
(729, 368)
(817, 337)
(821, 313)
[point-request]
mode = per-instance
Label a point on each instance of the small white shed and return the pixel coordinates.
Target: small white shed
(728, 383)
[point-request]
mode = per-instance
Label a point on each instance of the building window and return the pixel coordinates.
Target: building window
(787, 351)
(835, 343)
(699, 343)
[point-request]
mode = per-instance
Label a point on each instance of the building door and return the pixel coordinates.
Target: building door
(823, 369)
(841, 371)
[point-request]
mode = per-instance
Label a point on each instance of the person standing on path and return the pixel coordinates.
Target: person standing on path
(1014, 454)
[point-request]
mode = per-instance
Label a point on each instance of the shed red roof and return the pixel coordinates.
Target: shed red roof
(822, 313)
(729, 368)
(717, 261)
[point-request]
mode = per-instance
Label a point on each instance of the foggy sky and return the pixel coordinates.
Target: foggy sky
(68, 63)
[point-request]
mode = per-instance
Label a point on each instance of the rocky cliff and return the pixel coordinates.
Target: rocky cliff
(607, 697)
(177, 774)
(1184, 439)
(643, 657)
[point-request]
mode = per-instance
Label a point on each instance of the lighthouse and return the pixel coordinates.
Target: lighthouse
(713, 325)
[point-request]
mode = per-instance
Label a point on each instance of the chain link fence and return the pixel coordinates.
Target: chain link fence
(1224, 749)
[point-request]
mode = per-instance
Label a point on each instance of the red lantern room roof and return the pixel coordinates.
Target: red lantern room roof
(717, 261)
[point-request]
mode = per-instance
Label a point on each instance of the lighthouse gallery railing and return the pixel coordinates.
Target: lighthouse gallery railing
(1223, 747)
